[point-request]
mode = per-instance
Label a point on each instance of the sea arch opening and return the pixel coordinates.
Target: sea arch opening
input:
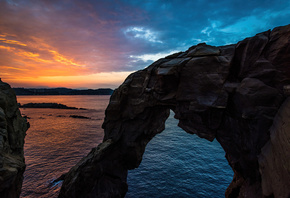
(176, 163)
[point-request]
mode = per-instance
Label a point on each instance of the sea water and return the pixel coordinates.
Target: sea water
(175, 164)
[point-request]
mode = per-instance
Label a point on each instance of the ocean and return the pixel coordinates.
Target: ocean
(175, 164)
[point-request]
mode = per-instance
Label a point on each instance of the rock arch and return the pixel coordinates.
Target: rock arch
(231, 93)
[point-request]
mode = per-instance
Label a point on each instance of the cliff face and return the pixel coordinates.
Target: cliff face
(12, 133)
(231, 93)
(274, 160)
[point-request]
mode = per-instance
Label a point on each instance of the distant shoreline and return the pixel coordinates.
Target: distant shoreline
(61, 91)
(47, 105)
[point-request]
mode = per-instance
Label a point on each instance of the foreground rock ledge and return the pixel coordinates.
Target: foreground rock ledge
(231, 93)
(13, 128)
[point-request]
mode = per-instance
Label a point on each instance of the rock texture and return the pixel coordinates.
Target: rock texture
(231, 93)
(274, 160)
(12, 132)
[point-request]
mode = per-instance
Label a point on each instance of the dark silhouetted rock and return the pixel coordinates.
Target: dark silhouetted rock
(231, 93)
(13, 129)
(46, 105)
(79, 116)
(61, 91)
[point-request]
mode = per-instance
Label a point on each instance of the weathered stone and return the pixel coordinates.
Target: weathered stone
(171, 67)
(278, 50)
(12, 132)
(202, 79)
(274, 160)
(203, 49)
(248, 52)
(231, 93)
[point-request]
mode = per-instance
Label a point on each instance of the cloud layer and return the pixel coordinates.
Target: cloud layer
(50, 39)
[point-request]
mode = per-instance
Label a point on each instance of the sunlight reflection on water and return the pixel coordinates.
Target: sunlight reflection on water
(55, 142)
(175, 164)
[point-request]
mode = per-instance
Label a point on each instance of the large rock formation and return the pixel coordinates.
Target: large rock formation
(231, 93)
(12, 132)
(274, 159)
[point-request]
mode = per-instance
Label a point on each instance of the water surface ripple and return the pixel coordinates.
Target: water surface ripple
(175, 164)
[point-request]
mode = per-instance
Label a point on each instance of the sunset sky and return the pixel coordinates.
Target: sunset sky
(94, 44)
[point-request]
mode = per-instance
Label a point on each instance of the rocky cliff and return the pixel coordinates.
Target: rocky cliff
(232, 93)
(12, 132)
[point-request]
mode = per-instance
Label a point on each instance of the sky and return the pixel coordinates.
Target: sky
(97, 44)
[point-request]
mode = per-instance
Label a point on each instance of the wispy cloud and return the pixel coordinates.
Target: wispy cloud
(2, 40)
(257, 21)
(6, 48)
(31, 56)
(63, 60)
(37, 53)
(13, 68)
(142, 33)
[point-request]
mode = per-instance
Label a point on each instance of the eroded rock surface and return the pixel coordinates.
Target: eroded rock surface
(231, 93)
(13, 128)
(274, 160)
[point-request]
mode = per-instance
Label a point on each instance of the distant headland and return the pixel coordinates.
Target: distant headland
(62, 91)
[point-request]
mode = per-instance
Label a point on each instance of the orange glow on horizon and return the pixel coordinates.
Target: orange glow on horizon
(42, 60)
(36, 63)
(99, 80)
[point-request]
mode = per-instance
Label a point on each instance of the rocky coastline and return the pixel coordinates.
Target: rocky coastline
(13, 129)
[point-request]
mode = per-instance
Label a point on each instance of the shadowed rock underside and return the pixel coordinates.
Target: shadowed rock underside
(231, 93)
